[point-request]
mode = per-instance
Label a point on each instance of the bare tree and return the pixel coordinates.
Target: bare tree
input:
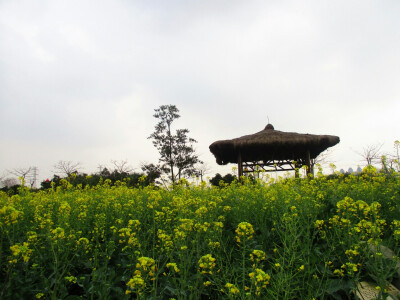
(371, 154)
(29, 174)
(202, 170)
(121, 166)
(66, 167)
(323, 159)
(21, 172)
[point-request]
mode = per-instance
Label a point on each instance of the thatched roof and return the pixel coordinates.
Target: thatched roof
(270, 144)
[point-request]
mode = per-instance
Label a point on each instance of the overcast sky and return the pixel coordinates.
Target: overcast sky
(79, 80)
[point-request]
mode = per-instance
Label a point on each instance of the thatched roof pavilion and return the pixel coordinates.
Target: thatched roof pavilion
(272, 148)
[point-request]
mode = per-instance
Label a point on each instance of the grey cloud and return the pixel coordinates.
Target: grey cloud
(83, 77)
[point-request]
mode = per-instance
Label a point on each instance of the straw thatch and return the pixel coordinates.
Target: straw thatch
(270, 144)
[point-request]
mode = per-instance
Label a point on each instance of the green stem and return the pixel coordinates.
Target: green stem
(243, 265)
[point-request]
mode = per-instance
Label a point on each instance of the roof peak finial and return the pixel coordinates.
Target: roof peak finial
(269, 127)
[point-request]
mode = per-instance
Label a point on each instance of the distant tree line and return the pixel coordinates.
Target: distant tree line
(75, 178)
(130, 179)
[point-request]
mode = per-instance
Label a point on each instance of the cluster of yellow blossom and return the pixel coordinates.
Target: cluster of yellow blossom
(173, 266)
(257, 256)
(351, 253)
(127, 236)
(83, 244)
(9, 215)
(136, 284)
(58, 234)
(358, 210)
(42, 217)
(202, 227)
(32, 236)
(351, 269)
(185, 225)
(19, 250)
(202, 211)
(369, 230)
(259, 279)
(146, 265)
(319, 224)
(232, 289)
(64, 210)
(183, 229)
(244, 232)
(207, 283)
(134, 225)
(71, 279)
(337, 221)
(218, 226)
(356, 218)
(227, 208)
(396, 229)
(145, 268)
(206, 264)
(159, 216)
(165, 240)
(179, 235)
(213, 245)
(82, 213)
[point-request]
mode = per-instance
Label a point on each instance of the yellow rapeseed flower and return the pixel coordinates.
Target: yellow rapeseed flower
(206, 264)
(257, 256)
(244, 231)
(232, 289)
(173, 266)
(207, 283)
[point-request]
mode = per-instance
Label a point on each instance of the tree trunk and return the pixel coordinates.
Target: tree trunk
(171, 163)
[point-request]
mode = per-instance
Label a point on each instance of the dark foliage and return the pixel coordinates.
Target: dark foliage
(227, 179)
(130, 179)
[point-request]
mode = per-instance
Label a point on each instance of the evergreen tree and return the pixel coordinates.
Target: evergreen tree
(177, 155)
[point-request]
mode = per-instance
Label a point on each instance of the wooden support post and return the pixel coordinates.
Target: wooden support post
(296, 170)
(240, 165)
(308, 163)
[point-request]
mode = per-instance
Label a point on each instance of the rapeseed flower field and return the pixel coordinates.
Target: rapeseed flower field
(311, 238)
